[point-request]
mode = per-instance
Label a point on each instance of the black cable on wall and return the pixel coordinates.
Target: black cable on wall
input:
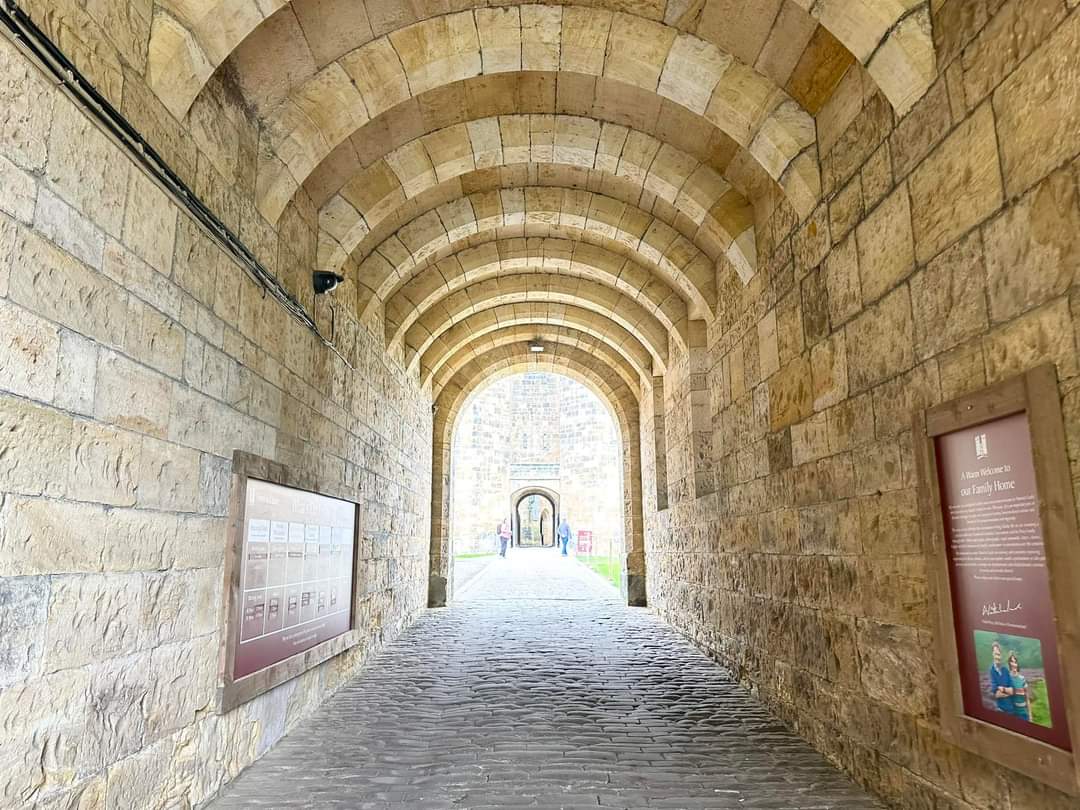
(22, 30)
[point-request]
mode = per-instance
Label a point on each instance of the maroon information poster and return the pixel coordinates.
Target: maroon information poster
(584, 542)
(1002, 609)
(296, 577)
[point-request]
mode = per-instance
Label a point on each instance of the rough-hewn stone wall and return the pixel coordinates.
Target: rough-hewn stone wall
(214, 149)
(135, 358)
(944, 258)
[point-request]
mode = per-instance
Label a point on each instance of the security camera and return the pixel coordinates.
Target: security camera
(324, 281)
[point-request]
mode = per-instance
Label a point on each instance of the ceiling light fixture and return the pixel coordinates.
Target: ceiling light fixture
(535, 346)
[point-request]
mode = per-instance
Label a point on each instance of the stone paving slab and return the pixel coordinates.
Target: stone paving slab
(466, 569)
(541, 690)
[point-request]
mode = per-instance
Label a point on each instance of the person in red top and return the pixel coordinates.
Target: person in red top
(504, 536)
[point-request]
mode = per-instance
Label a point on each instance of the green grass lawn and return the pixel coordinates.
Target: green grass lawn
(1040, 703)
(473, 555)
(607, 567)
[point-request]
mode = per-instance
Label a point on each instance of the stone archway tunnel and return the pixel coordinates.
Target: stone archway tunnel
(255, 257)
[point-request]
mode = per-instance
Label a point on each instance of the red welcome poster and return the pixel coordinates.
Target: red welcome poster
(1002, 608)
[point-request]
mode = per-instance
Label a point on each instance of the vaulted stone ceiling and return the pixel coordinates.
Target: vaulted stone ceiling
(583, 171)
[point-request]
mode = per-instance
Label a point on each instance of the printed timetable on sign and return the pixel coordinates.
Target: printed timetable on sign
(296, 578)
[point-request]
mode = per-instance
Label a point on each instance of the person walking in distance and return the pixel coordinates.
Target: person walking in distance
(504, 536)
(564, 534)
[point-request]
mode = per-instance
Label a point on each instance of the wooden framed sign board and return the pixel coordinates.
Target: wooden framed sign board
(999, 525)
(290, 578)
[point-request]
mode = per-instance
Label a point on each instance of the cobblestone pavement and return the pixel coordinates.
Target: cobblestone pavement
(539, 689)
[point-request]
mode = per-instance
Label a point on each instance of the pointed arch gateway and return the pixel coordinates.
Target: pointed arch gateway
(606, 382)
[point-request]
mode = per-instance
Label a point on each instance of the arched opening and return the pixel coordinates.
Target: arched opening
(535, 513)
(536, 445)
(532, 521)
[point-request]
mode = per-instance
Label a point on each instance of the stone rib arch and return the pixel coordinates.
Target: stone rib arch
(596, 221)
(710, 208)
(536, 317)
(536, 93)
(606, 219)
(592, 295)
(189, 40)
(553, 339)
(346, 94)
(507, 361)
(543, 249)
(448, 199)
(482, 370)
(550, 257)
(892, 38)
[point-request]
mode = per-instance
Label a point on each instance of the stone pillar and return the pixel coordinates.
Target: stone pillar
(634, 566)
(659, 443)
(701, 434)
(634, 577)
(440, 571)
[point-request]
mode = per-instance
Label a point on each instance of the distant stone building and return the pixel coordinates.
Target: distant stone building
(536, 430)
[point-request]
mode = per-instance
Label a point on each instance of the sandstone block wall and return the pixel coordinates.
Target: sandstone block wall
(943, 258)
(135, 358)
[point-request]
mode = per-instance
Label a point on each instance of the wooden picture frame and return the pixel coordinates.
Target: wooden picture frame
(234, 691)
(1036, 394)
